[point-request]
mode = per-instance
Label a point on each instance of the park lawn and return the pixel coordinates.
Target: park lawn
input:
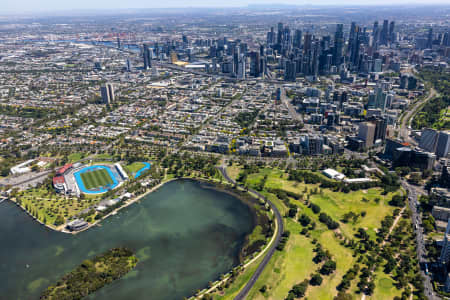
(95, 179)
(384, 287)
(168, 177)
(48, 205)
(76, 156)
(278, 179)
(338, 204)
(340, 254)
(344, 261)
(277, 202)
(134, 167)
(103, 156)
(294, 264)
(233, 171)
(384, 283)
(256, 235)
(234, 288)
(287, 267)
(272, 177)
(444, 119)
(334, 204)
(101, 162)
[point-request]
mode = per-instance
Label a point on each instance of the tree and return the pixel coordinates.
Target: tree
(397, 200)
(390, 265)
(4, 172)
(343, 296)
(328, 267)
(316, 279)
(415, 178)
(370, 288)
(59, 220)
(299, 290)
(428, 225)
(315, 208)
(292, 212)
(327, 220)
(362, 234)
(304, 220)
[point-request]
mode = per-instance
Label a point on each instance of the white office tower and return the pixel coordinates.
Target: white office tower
(428, 140)
(107, 92)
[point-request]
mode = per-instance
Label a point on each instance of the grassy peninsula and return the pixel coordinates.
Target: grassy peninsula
(92, 275)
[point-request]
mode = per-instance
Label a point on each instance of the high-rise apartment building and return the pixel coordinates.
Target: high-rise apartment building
(443, 144)
(366, 133)
(338, 44)
(107, 92)
(428, 140)
(445, 252)
(147, 57)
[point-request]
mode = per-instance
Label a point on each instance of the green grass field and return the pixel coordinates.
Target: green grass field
(134, 167)
(46, 205)
(75, 156)
(95, 179)
(103, 156)
(295, 264)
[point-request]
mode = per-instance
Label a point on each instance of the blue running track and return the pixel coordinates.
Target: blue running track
(99, 190)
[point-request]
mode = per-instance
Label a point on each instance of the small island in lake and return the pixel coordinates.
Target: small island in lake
(92, 275)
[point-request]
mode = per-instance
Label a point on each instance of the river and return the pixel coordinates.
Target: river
(184, 234)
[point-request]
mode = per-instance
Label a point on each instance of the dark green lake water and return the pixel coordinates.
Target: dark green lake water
(184, 234)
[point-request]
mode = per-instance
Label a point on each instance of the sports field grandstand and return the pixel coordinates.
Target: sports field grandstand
(91, 179)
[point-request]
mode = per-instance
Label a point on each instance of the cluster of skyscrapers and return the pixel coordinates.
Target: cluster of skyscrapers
(292, 52)
(298, 53)
(309, 55)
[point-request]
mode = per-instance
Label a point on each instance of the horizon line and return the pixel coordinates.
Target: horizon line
(104, 11)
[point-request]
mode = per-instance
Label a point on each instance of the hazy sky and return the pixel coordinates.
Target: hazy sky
(8, 6)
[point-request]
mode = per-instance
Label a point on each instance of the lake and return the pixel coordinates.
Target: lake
(185, 234)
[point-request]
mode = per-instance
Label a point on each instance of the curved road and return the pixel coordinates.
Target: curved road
(243, 293)
(407, 119)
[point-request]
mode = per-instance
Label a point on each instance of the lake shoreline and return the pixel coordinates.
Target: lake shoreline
(214, 222)
(221, 187)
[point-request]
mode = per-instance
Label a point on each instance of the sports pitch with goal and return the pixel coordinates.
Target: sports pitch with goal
(96, 178)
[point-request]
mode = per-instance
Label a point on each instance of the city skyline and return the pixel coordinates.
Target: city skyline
(267, 151)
